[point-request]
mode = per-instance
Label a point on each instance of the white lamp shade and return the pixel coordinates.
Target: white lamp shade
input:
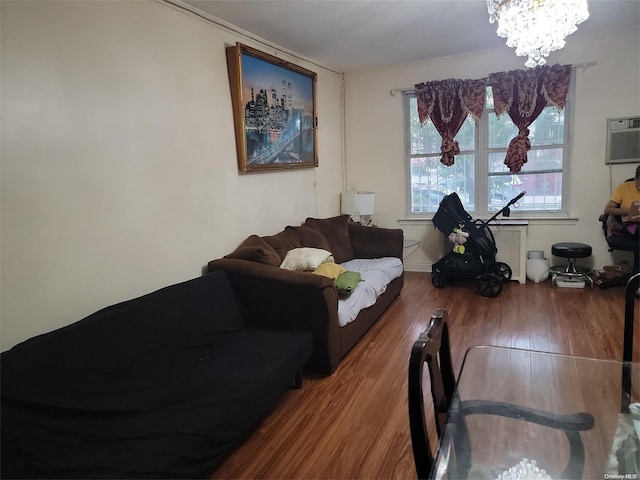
(362, 203)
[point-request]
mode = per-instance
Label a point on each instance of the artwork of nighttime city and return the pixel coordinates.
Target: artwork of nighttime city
(279, 114)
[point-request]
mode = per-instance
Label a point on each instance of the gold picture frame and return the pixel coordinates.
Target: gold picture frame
(274, 111)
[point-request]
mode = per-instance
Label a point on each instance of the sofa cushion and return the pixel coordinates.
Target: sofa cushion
(377, 274)
(329, 269)
(309, 237)
(255, 249)
(336, 231)
(305, 258)
(283, 242)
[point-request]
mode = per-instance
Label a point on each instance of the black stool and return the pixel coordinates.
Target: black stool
(571, 251)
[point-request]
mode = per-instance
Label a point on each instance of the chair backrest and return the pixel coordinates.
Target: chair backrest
(433, 349)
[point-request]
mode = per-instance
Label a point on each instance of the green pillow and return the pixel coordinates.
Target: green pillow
(347, 282)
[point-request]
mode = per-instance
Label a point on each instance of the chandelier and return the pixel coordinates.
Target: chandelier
(536, 28)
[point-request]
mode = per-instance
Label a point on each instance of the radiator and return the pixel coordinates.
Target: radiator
(511, 242)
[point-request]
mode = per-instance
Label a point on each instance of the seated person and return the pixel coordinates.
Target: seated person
(622, 197)
(620, 205)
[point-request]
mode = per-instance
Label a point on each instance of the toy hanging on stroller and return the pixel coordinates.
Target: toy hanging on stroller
(474, 253)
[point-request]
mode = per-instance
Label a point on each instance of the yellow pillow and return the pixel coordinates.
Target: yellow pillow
(329, 269)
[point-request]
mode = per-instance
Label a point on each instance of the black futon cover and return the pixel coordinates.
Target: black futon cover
(162, 386)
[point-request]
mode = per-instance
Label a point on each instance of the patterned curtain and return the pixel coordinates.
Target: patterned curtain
(447, 103)
(523, 94)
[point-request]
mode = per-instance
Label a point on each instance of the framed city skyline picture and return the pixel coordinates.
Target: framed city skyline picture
(274, 111)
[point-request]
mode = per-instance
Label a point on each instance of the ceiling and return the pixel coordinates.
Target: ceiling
(347, 35)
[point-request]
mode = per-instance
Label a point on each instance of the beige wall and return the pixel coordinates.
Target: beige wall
(375, 143)
(118, 158)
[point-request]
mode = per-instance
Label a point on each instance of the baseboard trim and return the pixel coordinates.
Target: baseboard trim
(417, 266)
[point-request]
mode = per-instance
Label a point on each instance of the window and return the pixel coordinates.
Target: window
(481, 180)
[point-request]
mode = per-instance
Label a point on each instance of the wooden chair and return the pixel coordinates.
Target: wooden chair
(625, 438)
(433, 349)
(627, 348)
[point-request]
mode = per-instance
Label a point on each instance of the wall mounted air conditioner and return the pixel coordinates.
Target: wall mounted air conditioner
(623, 140)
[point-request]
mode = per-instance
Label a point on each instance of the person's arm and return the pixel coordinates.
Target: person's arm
(614, 205)
(614, 208)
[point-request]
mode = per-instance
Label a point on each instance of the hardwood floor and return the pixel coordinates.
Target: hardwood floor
(354, 424)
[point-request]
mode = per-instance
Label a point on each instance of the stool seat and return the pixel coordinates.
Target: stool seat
(571, 250)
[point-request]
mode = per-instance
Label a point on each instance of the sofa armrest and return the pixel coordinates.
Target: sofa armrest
(375, 242)
(282, 277)
(281, 299)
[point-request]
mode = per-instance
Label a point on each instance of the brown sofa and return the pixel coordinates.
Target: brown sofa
(303, 301)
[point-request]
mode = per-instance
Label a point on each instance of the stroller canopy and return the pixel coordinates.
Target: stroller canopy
(451, 215)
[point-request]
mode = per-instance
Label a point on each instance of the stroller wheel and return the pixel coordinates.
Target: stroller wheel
(438, 280)
(489, 285)
(503, 271)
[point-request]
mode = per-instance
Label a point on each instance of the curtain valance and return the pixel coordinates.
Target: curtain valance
(447, 103)
(523, 94)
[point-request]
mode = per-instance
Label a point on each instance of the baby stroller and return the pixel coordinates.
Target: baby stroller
(477, 260)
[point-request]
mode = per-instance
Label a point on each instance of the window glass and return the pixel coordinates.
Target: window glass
(424, 138)
(548, 129)
(466, 136)
(501, 130)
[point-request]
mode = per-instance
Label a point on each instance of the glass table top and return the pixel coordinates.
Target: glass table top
(556, 384)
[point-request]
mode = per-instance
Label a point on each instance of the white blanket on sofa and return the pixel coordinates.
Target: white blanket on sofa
(376, 274)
